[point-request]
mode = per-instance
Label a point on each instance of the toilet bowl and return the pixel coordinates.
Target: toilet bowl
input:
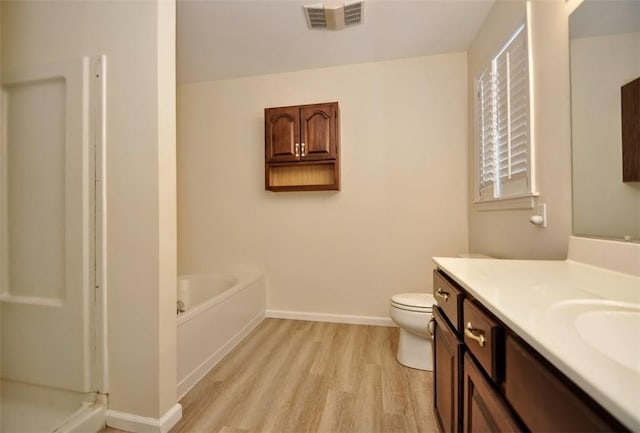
(412, 313)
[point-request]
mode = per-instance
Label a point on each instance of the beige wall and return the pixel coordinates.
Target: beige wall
(404, 184)
(138, 40)
(1, 144)
(603, 205)
(509, 234)
(167, 207)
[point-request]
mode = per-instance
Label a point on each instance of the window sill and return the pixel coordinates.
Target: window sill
(507, 203)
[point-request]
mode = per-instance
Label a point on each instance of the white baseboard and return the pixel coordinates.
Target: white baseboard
(333, 318)
(141, 424)
(89, 418)
(199, 372)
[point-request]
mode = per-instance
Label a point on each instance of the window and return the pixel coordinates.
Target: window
(502, 124)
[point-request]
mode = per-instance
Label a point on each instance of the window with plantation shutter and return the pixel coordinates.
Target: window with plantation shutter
(502, 123)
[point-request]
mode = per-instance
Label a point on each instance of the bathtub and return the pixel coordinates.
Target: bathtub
(219, 311)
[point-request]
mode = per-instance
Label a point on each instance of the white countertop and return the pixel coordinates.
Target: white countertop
(536, 299)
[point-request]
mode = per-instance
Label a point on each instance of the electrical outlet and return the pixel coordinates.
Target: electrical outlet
(541, 210)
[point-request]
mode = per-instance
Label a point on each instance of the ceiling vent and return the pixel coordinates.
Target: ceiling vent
(333, 16)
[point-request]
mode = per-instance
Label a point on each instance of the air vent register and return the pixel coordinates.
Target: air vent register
(333, 16)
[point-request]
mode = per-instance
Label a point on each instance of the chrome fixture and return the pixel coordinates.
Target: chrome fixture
(181, 307)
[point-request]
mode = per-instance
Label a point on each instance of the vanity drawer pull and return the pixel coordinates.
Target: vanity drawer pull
(474, 334)
(442, 294)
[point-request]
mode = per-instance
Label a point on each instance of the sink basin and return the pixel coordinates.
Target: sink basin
(610, 327)
(614, 333)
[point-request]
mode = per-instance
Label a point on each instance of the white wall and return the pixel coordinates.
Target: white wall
(404, 184)
(603, 205)
(138, 40)
(509, 234)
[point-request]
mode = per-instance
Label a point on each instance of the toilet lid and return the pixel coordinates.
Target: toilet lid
(414, 301)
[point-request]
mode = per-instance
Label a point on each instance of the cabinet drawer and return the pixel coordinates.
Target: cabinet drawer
(545, 400)
(449, 299)
(484, 338)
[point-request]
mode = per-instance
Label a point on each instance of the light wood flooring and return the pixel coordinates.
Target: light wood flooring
(293, 377)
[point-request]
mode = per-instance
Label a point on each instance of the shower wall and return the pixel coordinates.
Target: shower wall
(138, 39)
(48, 204)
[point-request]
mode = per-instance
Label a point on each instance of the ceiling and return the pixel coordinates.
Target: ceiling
(220, 39)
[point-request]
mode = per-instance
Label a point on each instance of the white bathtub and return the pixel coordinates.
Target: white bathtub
(220, 310)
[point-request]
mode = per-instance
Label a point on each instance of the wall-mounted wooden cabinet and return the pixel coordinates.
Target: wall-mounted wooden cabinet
(630, 101)
(302, 147)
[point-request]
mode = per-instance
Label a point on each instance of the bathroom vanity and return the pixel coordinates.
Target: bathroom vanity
(523, 345)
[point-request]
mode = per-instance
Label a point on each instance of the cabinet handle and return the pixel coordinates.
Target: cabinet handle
(442, 294)
(474, 334)
(431, 327)
(304, 152)
(296, 148)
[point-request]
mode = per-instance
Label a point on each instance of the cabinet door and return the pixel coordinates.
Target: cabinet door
(282, 134)
(484, 409)
(546, 401)
(630, 101)
(319, 134)
(447, 351)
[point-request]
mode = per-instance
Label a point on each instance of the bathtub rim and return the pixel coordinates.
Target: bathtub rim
(244, 280)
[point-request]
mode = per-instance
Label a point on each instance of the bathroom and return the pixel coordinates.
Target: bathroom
(332, 255)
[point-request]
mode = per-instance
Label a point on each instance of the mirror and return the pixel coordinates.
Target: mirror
(605, 55)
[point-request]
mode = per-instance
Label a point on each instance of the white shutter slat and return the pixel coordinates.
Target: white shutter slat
(486, 100)
(519, 157)
(519, 136)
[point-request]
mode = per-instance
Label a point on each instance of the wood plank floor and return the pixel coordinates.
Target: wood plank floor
(295, 377)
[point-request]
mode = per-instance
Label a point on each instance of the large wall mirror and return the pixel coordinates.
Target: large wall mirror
(605, 55)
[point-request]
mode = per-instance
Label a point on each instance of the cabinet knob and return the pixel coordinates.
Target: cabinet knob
(442, 294)
(296, 148)
(474, 334)
(304, 152)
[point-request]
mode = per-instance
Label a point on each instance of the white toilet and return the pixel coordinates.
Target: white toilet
(412, 313)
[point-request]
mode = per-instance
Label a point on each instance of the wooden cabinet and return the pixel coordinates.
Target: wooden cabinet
(447, 355)
(484, 409)
(630, 108)
(545, 399)
(301, 133)
(302, 146)
(506, 386)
